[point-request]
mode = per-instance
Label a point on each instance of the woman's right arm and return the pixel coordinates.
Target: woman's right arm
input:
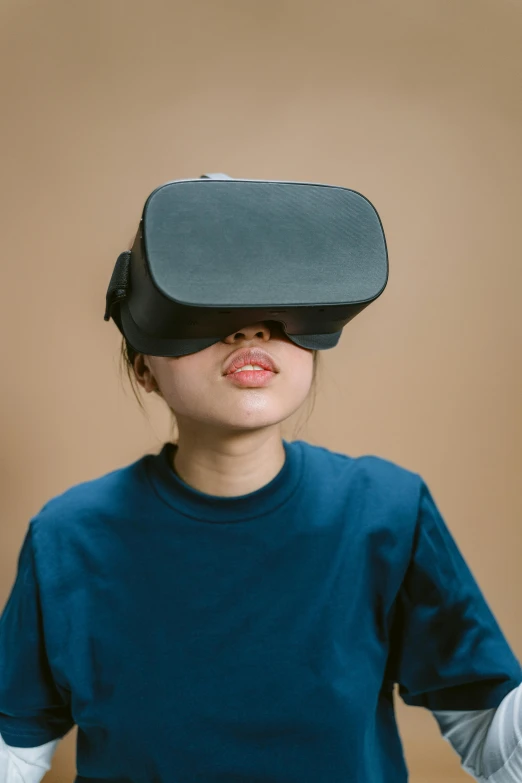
(25, 765)
(34, 710)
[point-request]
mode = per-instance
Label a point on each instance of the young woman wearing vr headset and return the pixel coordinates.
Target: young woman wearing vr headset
(238, 608)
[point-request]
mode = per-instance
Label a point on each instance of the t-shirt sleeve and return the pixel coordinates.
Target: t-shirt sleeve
(33, 708)
(447, 651)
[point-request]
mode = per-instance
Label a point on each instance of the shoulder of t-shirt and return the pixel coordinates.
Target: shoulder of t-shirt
(94, 495)
(381, 472)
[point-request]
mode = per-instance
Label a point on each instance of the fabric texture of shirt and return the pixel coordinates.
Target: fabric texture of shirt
(257, 638)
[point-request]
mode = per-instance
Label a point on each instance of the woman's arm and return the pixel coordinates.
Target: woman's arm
(25, 765)
(489, 742)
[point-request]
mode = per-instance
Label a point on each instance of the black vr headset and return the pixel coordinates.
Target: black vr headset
(216, 254)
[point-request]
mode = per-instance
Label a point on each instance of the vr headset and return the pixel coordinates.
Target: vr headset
(215, 254)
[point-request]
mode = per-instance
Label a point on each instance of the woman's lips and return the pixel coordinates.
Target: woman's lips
(251, 356)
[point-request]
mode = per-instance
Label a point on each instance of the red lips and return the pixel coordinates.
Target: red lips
(249, 356)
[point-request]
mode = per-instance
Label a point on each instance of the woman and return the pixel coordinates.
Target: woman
(238, 607)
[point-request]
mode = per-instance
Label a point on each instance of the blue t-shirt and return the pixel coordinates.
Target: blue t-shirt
(252, 639)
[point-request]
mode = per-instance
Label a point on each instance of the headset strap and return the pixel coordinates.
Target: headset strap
(119, 284)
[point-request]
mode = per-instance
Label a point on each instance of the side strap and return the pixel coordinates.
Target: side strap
(119, 284)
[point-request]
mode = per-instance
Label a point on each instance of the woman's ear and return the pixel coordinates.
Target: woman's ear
(144, 374)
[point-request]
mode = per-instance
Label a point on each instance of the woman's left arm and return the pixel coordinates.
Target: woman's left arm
(489, 742)
(448, 653)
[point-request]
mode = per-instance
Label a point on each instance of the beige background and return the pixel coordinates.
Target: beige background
(417, 104)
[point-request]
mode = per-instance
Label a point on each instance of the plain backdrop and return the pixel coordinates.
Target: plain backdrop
(416, 104)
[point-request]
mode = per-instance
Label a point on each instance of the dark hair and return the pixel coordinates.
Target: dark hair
(128, 355)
